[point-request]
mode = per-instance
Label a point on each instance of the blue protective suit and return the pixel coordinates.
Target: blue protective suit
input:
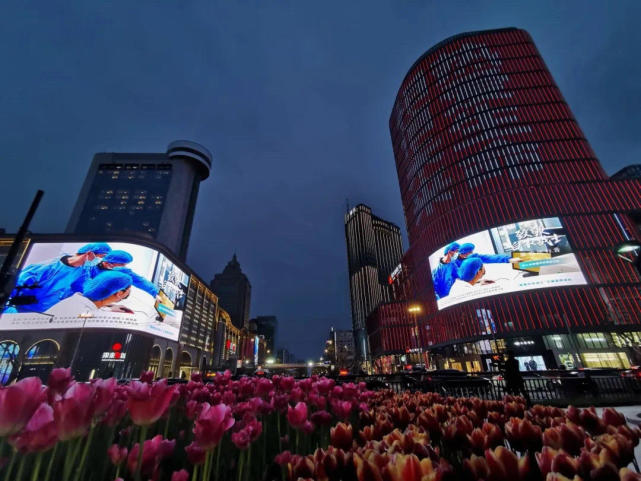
(443, 278)
(53, 282)
(486, 258)
(138, 281)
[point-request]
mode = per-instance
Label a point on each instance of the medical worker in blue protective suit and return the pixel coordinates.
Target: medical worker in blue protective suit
(52, 281)
(470, 274)
(446, 272)
(103, 292)
(116, 261)
(466, 251)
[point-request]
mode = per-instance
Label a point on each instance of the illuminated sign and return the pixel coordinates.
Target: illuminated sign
(395, 273)
(531, 254)
(97, 285)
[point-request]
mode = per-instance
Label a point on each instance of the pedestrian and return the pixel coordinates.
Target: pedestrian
(514, 383)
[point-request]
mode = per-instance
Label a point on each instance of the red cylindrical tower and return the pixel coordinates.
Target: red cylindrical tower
(483, 138)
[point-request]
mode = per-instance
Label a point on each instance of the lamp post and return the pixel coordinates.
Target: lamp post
(84, 317)
(415, 309)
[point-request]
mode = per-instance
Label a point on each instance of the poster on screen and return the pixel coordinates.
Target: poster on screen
(525, 255)
(153, 304)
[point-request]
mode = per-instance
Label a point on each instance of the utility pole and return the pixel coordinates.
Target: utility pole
(6, 274)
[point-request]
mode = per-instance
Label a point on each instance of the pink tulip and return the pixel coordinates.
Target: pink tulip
(117, 454)
(211, 425)
(196, 377)
(18, 402)
(321, 418)
(39, 434)
(73, 412)
(341, 409)
(148, 402)
(297, 415)
(181, 475)
(195, 453)
(103, 396)
(147, 376)
(241, 439)
(59, 380)
(154, 451)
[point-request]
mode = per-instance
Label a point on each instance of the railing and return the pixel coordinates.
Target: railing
(588, 390)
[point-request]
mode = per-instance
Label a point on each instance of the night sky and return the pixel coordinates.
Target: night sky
(292, 98)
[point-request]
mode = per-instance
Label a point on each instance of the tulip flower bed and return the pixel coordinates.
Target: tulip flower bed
(285, 429)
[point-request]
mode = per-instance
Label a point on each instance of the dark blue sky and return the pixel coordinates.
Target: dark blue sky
(292, 98)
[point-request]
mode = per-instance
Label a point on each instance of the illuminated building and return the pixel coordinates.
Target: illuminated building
(152, 195)
(234, 291)
(486, 148)
(374, 249)
(266, 326)
(172, 338)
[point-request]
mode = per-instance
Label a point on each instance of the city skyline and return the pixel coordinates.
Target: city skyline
(66, 106)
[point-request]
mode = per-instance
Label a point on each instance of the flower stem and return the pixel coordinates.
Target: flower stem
(194, 473)
(240, 465)
(70, 458)
(36, 468)
(167, 425)
(20, 467)
(11, 464)
(218, 449)
(81, 466)
(249, 457)
(207, 466)
(118, 470)
(51, 461)
(143, 435)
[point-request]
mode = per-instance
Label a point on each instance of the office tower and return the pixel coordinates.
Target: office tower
(489, 153)
(266, 326)
(374, 249)
(234, 292)
(152, 195)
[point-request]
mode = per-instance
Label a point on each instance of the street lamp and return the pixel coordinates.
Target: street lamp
(416, 309)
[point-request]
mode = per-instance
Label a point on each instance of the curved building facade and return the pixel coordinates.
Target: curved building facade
(485, 142)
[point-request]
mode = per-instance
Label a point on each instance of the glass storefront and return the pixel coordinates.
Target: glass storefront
(617, 360)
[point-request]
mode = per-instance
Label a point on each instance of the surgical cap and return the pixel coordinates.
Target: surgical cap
(118, 257)
(466, 248)
(106, 284)
(452, 247)
(469, 268)
(95, 247)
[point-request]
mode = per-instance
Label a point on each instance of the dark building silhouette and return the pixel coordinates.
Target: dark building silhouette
(482, 138)
(630, 172)
(151, 195)
(267, 326)
(374, 249)
(234, 292)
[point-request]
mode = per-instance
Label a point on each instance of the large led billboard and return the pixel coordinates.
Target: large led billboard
(530, 254)
(97, 285)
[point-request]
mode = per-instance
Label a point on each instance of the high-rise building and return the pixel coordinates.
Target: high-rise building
(266, 326)
(339, 348)
(145, 194)
(488, 153)
(234, 292)
(631, 172)
(374, 249)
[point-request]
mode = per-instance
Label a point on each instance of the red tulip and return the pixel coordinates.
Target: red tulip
(297, 415)
(409, 468)
(560, 477)
(550, 460)
(73, 412)
(476, 468)
(493, 433)
(523, 435)
(154, 451)
(619, 447)
(39, 434)
(148, 402)
(366, 470)
(211, 425)
(283, 458)
(117, 454)
(302, 467)
(341, 436)
(568, 437)
(18, 403)
(195, 454)
(182, 475)
(626, 474)
(504, 465)
(612, 417)
(477, 440)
